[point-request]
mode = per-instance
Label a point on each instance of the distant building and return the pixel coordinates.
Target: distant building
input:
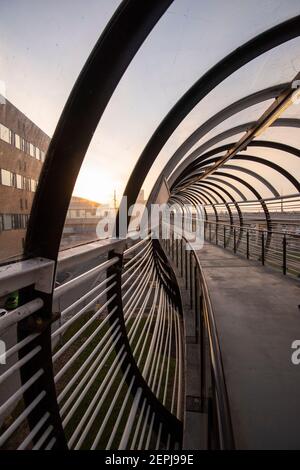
(22, 152)
(81, 221)
(23, 146)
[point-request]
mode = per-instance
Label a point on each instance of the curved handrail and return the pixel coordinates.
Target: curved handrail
(224, 418)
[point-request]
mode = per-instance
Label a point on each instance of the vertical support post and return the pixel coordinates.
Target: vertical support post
(202, 352)
(172, 236)
(40, 322)
(209, 232)
(248, 248)
(284, 247)
(217, 233)
(234, 240)
(263, 248)
(186, 267)
(181, 257)
(196, 304)
(224, 235)
(191, 279)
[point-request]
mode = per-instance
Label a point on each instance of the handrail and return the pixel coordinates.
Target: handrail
(246, 227)
(226, 431)
(90, 329)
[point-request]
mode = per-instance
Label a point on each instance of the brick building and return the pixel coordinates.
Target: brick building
(22, 152)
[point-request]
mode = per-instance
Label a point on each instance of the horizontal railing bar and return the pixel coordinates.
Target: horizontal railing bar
(130, 420)
(145, 251)
(75, 317)
(111, 406)
(83, 366)
(18, 314)
(19, 364)
(98, 363)
(51, 443)
(116, 366)
(19, 393)
(43, 438)
(75, 304)
(120, 415)
(88, 251)
(77, 281)
(34, 431)
(12, 428)
(79, 351)
(134, 247)
(35, 271)
(82, 329)
(20, 345)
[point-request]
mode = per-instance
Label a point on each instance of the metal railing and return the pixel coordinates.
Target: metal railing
(279, 250)
(213, 394)
(106, 370)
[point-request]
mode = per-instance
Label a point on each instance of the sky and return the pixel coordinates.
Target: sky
(44, 44)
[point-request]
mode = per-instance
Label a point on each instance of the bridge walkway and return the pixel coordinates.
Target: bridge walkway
(257, 318)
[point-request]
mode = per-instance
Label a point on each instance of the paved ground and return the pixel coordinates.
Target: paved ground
(257, 318)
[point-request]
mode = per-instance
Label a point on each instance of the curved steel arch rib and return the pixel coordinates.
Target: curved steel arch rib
(262, 43)
(256, 194)
(211, 123)
(226, 183)
(117, 45)
(276, 145)
(252, 173)
(282, 122)
(197, 198)
(199, 187)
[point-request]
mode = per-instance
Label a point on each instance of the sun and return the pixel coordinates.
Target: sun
(97, 185)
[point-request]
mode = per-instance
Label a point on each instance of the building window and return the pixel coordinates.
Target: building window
(42, 155)
(6, 178)
(21, 204)
(23, 145)
(7, 222)
(31, 150)
(33, 185)
(18, 141)
(19, 179)
(26, 204)
(5, 134)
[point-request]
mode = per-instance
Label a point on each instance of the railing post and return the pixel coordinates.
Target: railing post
(224, 234)
(262, 248)
(186, 268)
(234, 240)
(202, 352)
(181, 257)
(284, 246)
(217, 233)
(248, 251)
(196, 305)
(172, 246)
(191, 279)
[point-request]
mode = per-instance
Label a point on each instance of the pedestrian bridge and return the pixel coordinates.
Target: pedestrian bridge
(153, 342)
(256, 315)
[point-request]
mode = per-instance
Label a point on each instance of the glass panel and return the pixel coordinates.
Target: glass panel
(6, 177)
(19, 182)
(18, 141)
(5, 134)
